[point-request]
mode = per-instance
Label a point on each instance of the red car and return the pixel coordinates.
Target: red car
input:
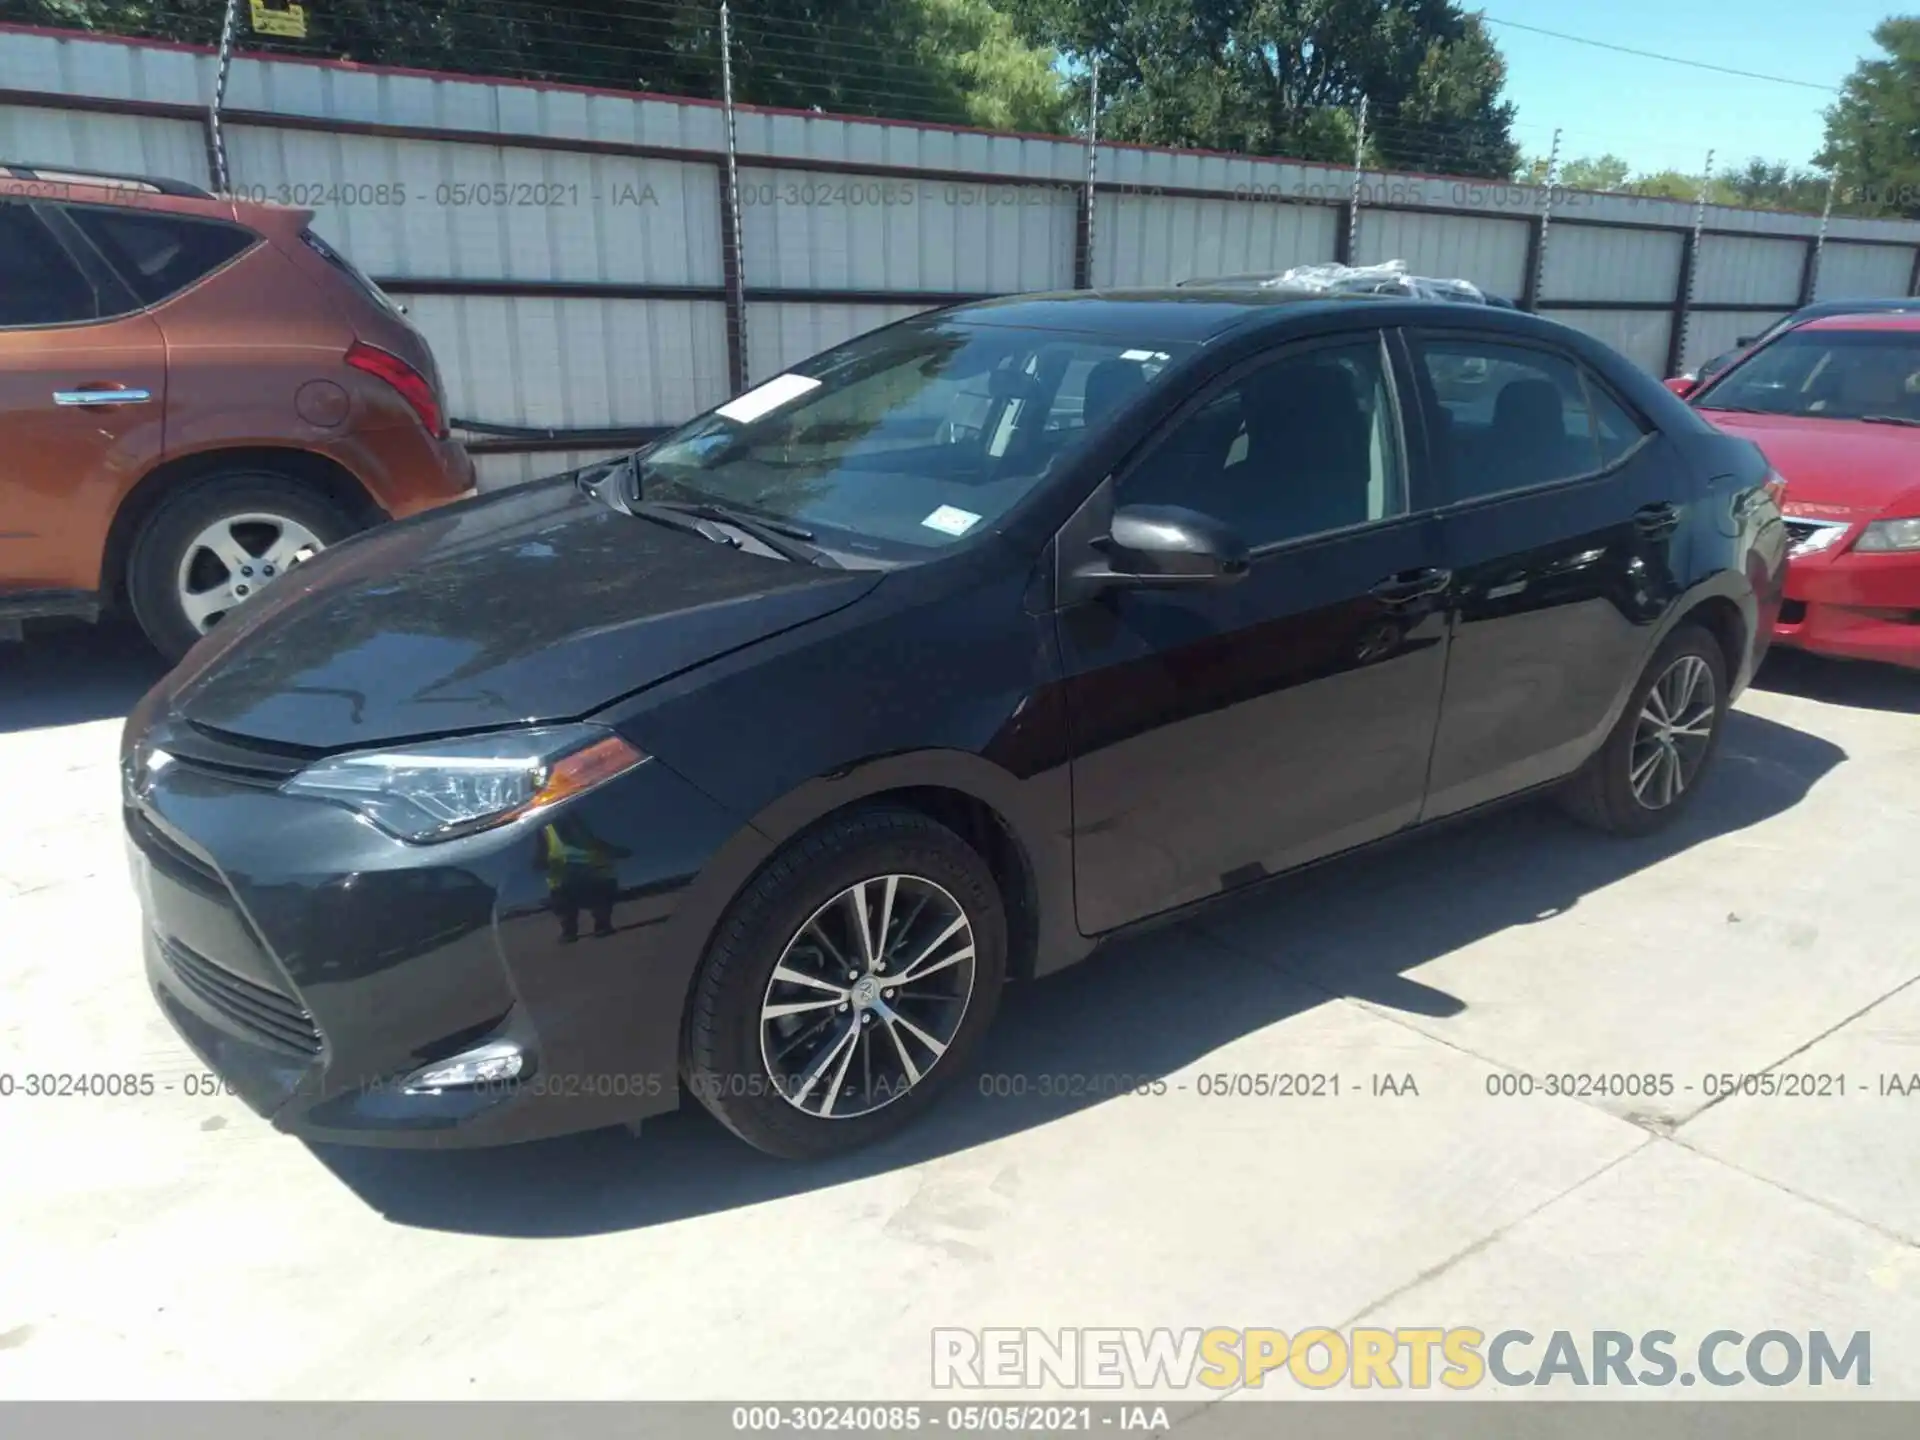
(1835, 404)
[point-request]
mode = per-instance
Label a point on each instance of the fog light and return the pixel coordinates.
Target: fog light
(488, 1064)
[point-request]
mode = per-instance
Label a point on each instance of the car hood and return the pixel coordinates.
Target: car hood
(537, 604)
(1843, 469)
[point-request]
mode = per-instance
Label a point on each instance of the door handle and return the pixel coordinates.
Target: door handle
(102, 397)
(1662, 519)
(1411, 585)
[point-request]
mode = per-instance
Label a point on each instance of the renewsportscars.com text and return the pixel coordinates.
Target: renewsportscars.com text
(1416, 1358)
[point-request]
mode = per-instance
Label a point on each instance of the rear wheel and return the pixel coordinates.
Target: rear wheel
(848, 986)
(1652, 763)
(218, 543)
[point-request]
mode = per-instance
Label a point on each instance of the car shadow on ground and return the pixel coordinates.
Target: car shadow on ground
(1144, 1008)
(1858, 684)
(67, 673)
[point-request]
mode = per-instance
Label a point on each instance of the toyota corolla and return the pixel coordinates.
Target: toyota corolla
(750, 768)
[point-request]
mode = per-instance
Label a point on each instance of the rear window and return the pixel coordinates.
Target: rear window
(160, 255)
(347, 268)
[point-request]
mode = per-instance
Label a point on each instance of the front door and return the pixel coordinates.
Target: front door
(82, 407)
(1221, 735)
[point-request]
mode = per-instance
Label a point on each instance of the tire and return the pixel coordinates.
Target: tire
(169, 558)
(753, 1072)
(1604, 794)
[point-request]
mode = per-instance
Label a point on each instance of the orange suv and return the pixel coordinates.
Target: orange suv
(195, 394)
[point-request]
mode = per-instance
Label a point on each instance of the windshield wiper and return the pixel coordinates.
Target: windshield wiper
(786, 541)
(1890, 420)
(677, 519)
(704, 517)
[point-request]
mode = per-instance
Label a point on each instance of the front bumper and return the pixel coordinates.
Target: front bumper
(1853, 606)
(314, 963)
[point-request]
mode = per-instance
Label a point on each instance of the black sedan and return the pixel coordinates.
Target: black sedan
(752, 766)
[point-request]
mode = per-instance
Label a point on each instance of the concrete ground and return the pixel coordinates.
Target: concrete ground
(176, 1246)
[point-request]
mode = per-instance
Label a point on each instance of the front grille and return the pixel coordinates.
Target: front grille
(264, 1015)
(1808, 536)
(232, 758)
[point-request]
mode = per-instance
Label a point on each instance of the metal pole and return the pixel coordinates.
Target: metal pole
(1093, 164)
(1546, 212)
(216, 140)
(736, 285)
(1353, 205)
(1820, 240)
(1692, 265)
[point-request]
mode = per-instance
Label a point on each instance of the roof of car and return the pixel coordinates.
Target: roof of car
(1198, 314)
(109, 180)
(1908, 322)
(1821, 308)
(49, 183)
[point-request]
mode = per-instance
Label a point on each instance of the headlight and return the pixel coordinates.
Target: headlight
(447, 788)
(1885, 535)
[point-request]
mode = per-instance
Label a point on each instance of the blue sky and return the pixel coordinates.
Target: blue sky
(1659, 116)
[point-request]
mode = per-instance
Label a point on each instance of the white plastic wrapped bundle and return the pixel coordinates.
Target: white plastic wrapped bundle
(1390, 278)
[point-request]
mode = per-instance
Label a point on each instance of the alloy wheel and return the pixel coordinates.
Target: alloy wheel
(236, 557)
(868, 995)
(1670, 739)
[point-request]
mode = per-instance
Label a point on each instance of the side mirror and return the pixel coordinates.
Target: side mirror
(1165, 547)
(1682, 385)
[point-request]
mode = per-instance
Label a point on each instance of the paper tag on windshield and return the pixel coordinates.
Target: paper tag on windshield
(764, 399)
(951, 520)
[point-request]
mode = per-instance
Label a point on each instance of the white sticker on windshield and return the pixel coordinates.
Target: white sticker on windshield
(764, 399)
(951, 520)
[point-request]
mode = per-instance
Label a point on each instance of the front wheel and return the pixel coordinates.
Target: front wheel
(847, 986)
(1659, 751)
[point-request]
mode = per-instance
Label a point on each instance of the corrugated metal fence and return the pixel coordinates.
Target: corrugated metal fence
(570, 253)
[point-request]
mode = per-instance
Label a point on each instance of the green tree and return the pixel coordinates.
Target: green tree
(1772, 185)
(1605, 172)
(1285, 77)
(950, 61)
(1873, 130)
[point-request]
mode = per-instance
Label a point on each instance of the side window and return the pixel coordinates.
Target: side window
(39, 283)
(1305, 444)
(1619, 431)
(1510, 417)
(159, 255)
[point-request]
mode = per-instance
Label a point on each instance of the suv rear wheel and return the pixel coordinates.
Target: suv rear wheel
(218, 543)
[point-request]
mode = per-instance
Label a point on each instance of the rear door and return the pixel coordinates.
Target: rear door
(83, 378)
(1561, 511)
(1224, 734)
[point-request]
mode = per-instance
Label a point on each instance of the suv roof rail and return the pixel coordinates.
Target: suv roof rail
(55, 173)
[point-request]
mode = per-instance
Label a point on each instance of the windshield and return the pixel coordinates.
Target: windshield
(1826, 374)
(906, 440)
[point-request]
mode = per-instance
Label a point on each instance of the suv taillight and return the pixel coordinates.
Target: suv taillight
(414, 387)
